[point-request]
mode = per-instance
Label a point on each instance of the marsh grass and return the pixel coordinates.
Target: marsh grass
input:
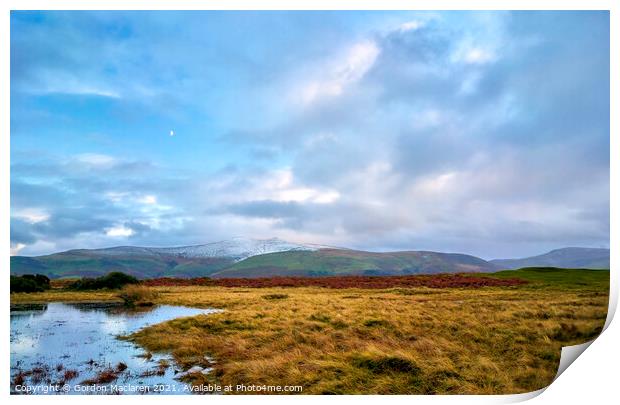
(137, 295)
(275, 296)
(103, 377)
(58, 295)
(70, 375)
(492, 340)
(160, 370)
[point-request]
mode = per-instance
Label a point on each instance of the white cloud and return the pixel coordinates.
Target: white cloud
(352, 65)
(359, 60)
(478, 56)
(31, 215)
(90, 90)
(275, 185)
(131, 199)
(436, 184)
(410, 26)
(116, 196)
(148, 199)
(281, 187)
(63, 83)
(144, 209)
(96, 160)
(15, 248)
(312, 91)
(471, 51)
(325, 197)
(392, 158)
(305, 194)
(119, 230)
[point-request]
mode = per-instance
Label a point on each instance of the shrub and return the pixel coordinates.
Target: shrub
(387, 364)
(137, 295)
(30, 283)
(320, 318)
(275, 296)
(569, 332)
(376, 322)
(114, 280)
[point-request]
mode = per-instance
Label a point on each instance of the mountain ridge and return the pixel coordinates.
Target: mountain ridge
(245, 257)
(237, 247)
(330, 262)
(568, 257)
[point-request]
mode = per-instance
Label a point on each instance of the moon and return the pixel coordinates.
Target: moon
(171, 133)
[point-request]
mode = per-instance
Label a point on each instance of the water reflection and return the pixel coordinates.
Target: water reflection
(73, 345)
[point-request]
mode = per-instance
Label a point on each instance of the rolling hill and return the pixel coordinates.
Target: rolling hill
(89, 264)
(241, 257)
(251, 258)
(146, 262)
(334, 262)
(571, 257)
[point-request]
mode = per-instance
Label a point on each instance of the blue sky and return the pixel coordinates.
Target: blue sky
(477, 132)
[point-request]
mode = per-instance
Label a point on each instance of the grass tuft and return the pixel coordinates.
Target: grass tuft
(569, 332)
(376, 322)
(388, 364)
(275, 296)
(137, 295)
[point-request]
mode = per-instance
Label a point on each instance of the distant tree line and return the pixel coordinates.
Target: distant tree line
(39, 282)
(30, 283)
(110, 281)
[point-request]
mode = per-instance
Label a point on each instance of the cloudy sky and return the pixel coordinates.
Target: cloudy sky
(477, 132)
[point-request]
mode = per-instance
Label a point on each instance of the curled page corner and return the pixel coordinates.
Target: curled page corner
(517, 398)
(569, 355)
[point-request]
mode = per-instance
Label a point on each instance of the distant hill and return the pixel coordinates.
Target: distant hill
(85, 263)
(242, 257)
(335, 262)
(146, 262)
(571, 257)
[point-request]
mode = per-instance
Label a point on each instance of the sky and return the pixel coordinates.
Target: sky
(477, 132)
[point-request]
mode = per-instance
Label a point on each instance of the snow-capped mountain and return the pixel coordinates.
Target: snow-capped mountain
(152, 262)
(236, 248)
(247, 258)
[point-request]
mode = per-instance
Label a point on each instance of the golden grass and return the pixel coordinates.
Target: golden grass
(396, 341)
(138, 295)
(65, 296)
(414, 341)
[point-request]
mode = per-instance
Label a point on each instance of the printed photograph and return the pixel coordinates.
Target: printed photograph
(306, 202)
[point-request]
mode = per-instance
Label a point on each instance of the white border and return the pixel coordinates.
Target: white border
(310, 5)
(592, 378)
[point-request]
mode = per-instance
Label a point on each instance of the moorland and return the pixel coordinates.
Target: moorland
(492, 333)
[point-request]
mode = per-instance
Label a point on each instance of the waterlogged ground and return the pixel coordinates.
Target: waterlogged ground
(427, 335)
(74, 349)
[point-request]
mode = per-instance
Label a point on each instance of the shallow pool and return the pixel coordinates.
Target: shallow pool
(61, 348)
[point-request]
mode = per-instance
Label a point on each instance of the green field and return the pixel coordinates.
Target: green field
(563, 279)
